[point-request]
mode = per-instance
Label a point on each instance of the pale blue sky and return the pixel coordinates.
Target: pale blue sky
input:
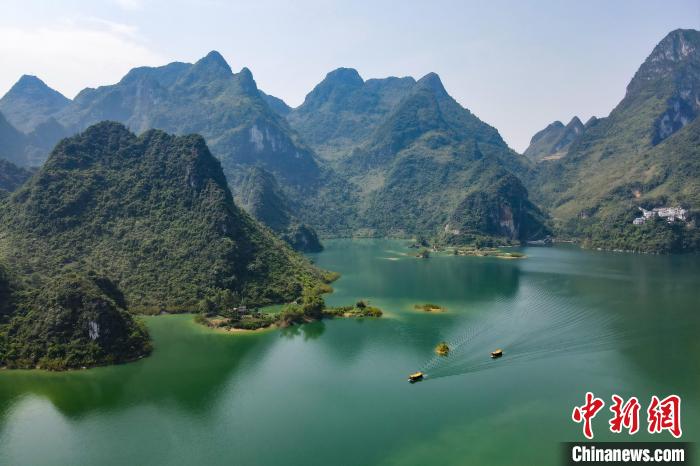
(518, 65)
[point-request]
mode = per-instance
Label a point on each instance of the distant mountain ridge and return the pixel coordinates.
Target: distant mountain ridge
(414, 155)
(554, 141)
(206, 98)
(342, 110)
(12, 143)
(645, 153)
(359, 129)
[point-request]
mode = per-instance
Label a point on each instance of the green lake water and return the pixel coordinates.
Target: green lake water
(335, 392)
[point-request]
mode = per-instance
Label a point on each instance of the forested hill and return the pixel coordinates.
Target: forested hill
(644, 154)
(342, 110)
(154, 214)
(261, 196)
(419, 161)
(12, 176)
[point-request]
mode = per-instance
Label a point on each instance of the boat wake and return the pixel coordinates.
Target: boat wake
(536, 326)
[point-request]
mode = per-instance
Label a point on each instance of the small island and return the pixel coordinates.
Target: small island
(360, 309)
(442, 349)
(487, 252)
(429, 307)
(310, 308)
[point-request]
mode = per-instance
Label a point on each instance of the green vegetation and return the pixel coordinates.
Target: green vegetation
(73, 321)
(152, 223)
(431, 138)
(646, 153)
(262, 197)
(154, 214)
(399, 156)
(353, 311)
(311, 307)
(415, 158)
(429, 307)
(654, 236)
(487, 252)
(12, 176)
(343, 110)
(497, 214)
(227, 109)
(360, 309)
(423, 253)
(8, 290)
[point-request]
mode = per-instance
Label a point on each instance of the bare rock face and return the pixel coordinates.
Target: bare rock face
(502, 211)
(673, 64)
(679, 113)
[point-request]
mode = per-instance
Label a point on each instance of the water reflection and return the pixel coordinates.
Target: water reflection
(187, 370)
(308, 332)
(441, 279)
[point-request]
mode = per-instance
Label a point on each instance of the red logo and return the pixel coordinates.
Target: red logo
(587, 412)
(626, 415)
(662, 415)
(665, 415)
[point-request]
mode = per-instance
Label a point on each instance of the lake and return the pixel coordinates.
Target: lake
(335, 392)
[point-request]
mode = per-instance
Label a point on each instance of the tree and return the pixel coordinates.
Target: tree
(313, 306)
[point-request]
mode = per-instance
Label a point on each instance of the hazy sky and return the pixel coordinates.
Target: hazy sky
(518, 65)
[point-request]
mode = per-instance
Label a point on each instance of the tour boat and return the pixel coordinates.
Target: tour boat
(497, 354)
(416, 377)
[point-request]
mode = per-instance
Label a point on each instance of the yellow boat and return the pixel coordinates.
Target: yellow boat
(497, 354)
(415, 377)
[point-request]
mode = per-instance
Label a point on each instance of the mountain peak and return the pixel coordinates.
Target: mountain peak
(214, 60)
(432, 81)
(554, 141)
(335, 88)
(675, 51)
(671, 73)
(345, 76)
(30, 102)
(247, 83)
(678, 45)
(30, 84)
(30, 80)
(575, 122)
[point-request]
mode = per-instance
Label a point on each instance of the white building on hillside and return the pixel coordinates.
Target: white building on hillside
(671, 214)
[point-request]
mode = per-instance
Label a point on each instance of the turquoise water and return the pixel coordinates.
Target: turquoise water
(335, 392)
